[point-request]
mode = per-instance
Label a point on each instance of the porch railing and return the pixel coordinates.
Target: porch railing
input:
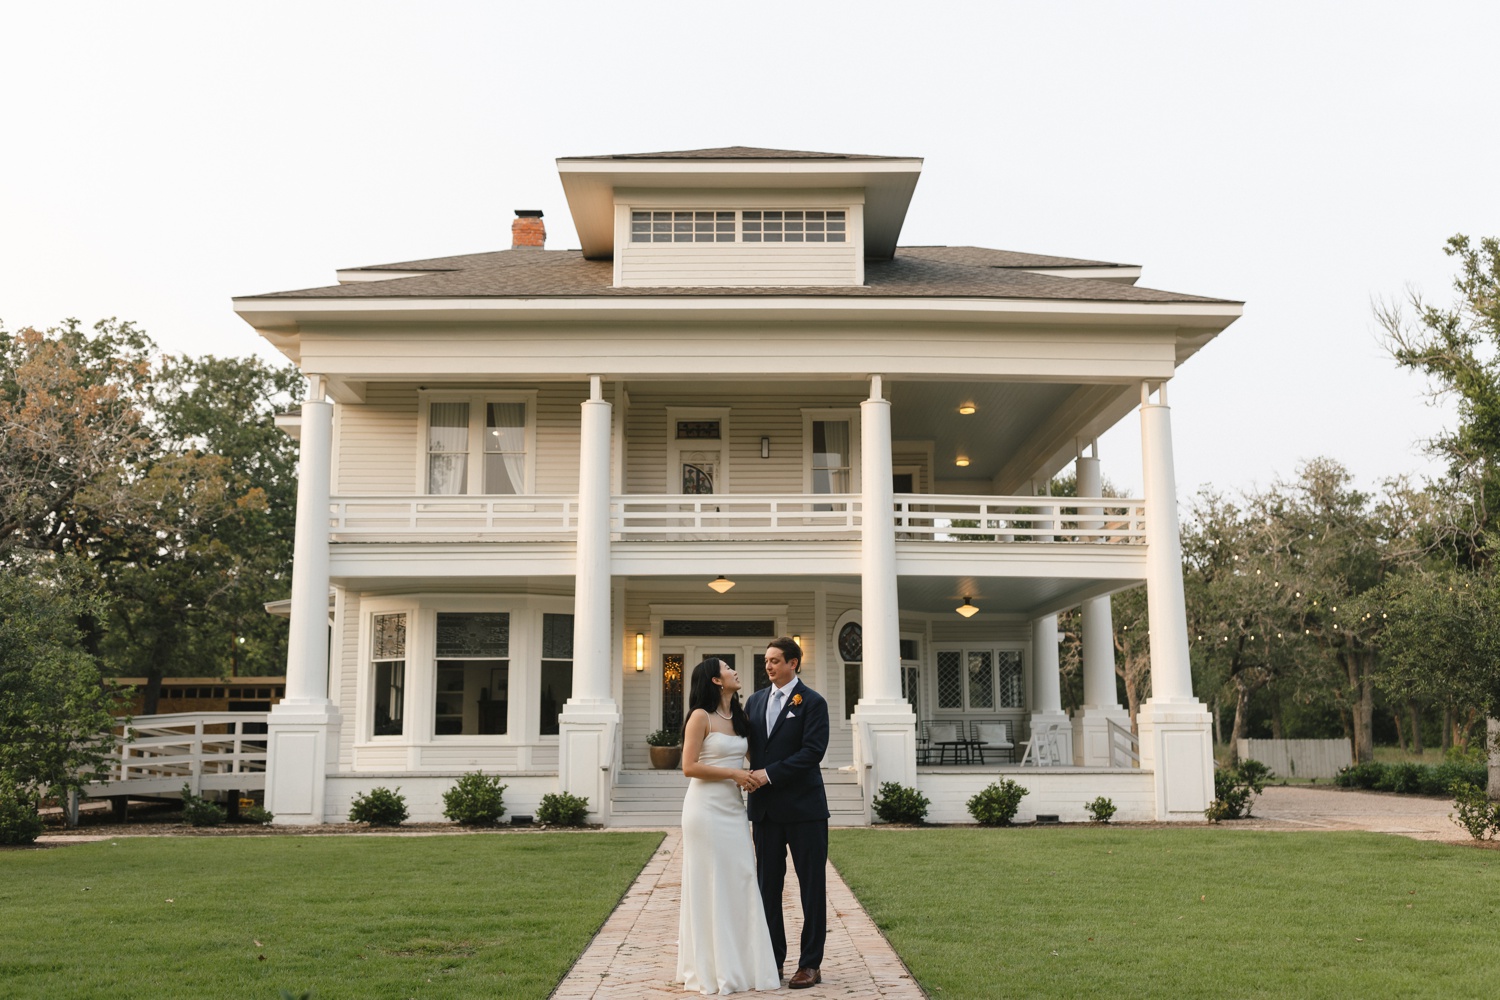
(157, 754)
(509, 517)
(1124, 746)
(749, 516)
(1019, 519)
(737, 516)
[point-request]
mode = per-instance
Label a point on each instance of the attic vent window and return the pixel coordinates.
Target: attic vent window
(794, 226)
(682, 227)
(758, 226)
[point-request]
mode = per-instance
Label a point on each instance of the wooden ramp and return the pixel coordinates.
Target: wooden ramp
(158, 754)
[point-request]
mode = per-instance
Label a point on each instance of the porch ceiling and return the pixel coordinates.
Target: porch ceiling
(1006, 417)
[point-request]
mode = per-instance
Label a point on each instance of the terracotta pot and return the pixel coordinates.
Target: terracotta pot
(665, 758)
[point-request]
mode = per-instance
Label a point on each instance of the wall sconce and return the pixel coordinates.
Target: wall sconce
(967, 409)
(961, 461)
(966, 609)
(721, 585)
(798, 640)
(640, 651)
(765, 447)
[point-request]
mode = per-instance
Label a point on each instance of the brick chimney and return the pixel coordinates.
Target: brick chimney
(528, 230)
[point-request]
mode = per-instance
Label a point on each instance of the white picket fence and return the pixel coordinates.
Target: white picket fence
(1299, 758)
(158, 754)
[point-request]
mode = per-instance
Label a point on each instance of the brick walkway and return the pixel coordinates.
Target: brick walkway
(634, 955)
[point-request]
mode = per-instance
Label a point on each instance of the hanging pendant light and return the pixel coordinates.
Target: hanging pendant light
(721, 585)
(966, 609)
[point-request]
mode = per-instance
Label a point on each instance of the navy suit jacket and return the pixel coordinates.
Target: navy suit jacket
(792, 755)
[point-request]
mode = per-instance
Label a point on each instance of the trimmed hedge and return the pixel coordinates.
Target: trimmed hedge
(1412, 779)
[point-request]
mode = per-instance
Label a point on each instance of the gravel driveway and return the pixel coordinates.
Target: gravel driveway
(1305, 807)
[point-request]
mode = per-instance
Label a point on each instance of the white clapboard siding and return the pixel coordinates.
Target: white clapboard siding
(1299, 758)
(345, 667)
(741, 265)
(754, 413)
(558, 417)
(378, 445)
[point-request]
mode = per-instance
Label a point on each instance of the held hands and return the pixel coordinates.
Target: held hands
(749, 781)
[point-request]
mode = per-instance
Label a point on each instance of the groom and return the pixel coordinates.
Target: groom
(789, 809)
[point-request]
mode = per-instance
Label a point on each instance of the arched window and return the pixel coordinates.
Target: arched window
(851, 647)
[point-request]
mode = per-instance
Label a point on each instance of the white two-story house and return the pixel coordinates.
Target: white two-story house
(540, 485)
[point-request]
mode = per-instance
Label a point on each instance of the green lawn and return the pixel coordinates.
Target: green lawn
(1123, 913)
(364, 918)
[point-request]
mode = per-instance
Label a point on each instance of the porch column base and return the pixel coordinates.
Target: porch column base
(885, 745)
(1177, 745)
(1041, 720)
(1091, 734)
(586, 758)
(298, 754)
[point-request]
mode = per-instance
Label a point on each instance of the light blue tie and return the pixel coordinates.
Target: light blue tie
(775, 711)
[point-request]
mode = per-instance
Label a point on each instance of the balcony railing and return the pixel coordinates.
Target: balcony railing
(742, 517)
(941, 518)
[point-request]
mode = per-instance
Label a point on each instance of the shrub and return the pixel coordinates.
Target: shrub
(1405, 779)
(1474, 811)
(198, 811)
(1100, 810)
(255, 814)
(382, 807)
(1367, 774)
(996, 804)
(1235, 789)
(20, 823)
(895, 803)
(476, 799)
(562, 809)
(664, 738)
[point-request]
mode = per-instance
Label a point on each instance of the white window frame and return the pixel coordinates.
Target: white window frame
(994, 648)
(477, 413)
(692, 645)
(523, 717)
(850, 414)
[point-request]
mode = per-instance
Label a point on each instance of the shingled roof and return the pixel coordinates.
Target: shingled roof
(915, 272)
(737, 153)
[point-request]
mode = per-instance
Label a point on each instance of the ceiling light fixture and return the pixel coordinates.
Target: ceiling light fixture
(721, 585)
(962, 462)
(966, 609)
(967, 409)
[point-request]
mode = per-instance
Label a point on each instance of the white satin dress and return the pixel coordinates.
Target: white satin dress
(723, 945)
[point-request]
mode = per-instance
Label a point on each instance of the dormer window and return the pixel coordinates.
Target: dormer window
(786, 225)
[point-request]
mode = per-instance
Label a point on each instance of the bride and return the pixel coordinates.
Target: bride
(723, 944)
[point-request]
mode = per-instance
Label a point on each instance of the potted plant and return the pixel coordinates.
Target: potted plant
(665, 747)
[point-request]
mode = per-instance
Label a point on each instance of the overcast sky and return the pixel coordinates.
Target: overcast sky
(1306, 158)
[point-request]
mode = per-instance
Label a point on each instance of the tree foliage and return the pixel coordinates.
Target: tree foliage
(55, 707)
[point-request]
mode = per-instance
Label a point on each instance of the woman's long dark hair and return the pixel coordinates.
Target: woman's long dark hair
(704, 693)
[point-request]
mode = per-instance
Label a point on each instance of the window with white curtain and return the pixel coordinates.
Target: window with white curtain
(479, 444)
(831, 459)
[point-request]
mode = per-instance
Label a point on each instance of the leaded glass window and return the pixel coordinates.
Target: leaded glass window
(950, 679)
(981, 679)
(472, 696)
(1011, 694)
(671, 691)
(557, 669)
(389, 647)
(851, 643)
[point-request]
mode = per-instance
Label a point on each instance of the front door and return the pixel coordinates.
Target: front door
(677, 669)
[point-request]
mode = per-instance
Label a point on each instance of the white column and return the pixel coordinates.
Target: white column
(1174, 727)
(1100, 705)
(298, 744)
(589, 723)
(885, 747)
(1046, 688)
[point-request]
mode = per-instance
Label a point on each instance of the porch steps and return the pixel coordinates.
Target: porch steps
(654, 798)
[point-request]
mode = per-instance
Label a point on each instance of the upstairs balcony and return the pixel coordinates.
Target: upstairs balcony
(1037, 552)
(920, 518)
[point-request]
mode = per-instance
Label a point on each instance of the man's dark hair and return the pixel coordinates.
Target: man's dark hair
(789, 649)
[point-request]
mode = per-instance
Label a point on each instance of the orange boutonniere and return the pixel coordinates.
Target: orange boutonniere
(796, 699)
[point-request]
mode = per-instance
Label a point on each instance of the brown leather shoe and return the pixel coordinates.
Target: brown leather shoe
(804, 979)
